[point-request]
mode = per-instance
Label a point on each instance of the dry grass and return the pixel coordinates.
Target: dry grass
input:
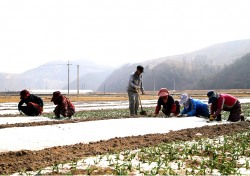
(150, 95)
(81, 98)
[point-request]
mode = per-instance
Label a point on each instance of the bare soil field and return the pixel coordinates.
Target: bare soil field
(25, 160)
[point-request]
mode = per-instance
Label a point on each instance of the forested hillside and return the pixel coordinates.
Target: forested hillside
(217, 67)
(233, 76)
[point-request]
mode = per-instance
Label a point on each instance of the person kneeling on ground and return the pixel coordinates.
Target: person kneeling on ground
(193, 107)
(34, 104)
(64, 106)
(168, 104)
(224, 102)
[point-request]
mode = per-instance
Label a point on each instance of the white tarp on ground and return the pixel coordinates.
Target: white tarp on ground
(39, 137)
(11, 108)
(13, 120)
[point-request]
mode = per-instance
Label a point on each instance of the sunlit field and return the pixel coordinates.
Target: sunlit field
(150, 95)
(203, 156)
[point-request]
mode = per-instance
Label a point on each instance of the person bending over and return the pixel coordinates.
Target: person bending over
(224, 102)
(193, 107)
(63, 105)
(166, 101)
(34, 104)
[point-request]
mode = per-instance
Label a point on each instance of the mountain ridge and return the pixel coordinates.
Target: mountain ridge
(181, 71)
(174, 72)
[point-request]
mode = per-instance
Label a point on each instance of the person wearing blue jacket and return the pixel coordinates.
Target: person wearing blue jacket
(193, 107)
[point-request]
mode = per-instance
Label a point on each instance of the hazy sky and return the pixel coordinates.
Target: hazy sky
(114, 32)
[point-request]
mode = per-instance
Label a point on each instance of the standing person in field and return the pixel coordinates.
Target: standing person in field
(34, 104)
(167, 102)
(134, 86)
(193, 107)
(224, 102)
(63, 105)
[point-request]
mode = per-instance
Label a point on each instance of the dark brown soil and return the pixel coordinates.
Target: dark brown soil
(26, 160)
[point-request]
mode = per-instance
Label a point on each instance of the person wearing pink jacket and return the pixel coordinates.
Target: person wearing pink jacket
(225, 102)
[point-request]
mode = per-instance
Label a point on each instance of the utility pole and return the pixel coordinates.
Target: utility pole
(245, 86)
(68, 76)
(77, 80)
(154, 69)
(174, 84)
(154, 79)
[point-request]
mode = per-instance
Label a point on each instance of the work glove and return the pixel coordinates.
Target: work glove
(211, 117)
(182, 115)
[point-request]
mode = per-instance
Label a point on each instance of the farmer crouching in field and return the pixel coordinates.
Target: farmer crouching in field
(64, 106)
(193, 107)
(168, 104)
(224, 102)
(34, 104)
(134, 86)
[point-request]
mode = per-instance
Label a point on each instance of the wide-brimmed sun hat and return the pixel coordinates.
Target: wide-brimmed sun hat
(184, 99)
(163, 92)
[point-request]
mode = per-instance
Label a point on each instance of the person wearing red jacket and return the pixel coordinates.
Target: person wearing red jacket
(34, 104)
(225, 102)
(166, 101)
(64, 106)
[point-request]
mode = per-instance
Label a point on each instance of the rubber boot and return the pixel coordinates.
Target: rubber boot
(211, 118)
(218, 118)
(242, 118)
